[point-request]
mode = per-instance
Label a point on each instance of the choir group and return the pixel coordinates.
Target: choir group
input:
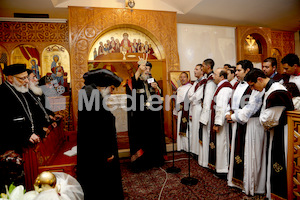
(237, 123)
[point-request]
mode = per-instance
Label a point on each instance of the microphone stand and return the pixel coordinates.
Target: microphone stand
(173, 169)
(189, 180)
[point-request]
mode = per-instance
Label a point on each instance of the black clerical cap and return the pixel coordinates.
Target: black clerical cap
(44, 80)
(14, 69)
(102, 78)
(29, 71)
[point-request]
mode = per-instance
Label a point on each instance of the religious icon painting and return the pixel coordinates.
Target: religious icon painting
(174, 78)
(112, 44)
(28, 55)
(56, 63)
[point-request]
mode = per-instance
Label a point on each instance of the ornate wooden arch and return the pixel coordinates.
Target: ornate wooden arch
(264, 35)
(86, 24)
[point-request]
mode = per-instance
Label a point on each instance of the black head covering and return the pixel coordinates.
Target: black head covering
(148, 64)
(102, 78)
(29, 71)
(44, 80)
(14, 69)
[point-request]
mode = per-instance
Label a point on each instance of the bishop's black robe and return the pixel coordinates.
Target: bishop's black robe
(40, 112)
(145, 127)
(96, 142)
(16, 129)
(14, 122)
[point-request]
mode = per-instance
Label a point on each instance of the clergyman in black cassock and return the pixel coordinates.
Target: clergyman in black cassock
(17, 125)
(98, 161)
(146, 137)
(43, 117)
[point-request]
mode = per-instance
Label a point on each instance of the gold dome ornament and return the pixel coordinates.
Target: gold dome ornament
(129, 3)
(45, 181)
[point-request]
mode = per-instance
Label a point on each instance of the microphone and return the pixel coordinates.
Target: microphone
(150, 79)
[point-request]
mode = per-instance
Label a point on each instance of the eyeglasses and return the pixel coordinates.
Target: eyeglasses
(22, 78)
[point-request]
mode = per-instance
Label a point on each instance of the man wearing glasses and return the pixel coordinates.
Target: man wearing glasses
(16, 120)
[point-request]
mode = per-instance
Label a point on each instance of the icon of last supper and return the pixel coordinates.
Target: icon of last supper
(116, 43)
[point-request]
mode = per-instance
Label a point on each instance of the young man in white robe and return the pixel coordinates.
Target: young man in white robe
(181, 111)
(231, 77)
(291, 74)
(219, 140)
(204, 129)
(195, 95)
(291, 67)
(248, 149)
(277, 100)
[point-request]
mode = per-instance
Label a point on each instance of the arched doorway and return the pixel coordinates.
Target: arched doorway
(118, 49)
(87, 24)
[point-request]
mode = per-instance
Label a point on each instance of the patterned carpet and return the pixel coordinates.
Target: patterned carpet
(123, 140)
(148, 184)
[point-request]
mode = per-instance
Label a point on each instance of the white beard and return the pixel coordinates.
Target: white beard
(35, 89)
(105, 92)
(22, 89)
(144, 77)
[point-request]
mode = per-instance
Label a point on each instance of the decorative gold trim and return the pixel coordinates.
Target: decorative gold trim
(277, 167)
(184, 120)
(238, 159)
(182, 134)
(212, 145)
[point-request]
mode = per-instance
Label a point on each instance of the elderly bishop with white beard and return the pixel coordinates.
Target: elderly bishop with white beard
(16, 118)
(42, 116)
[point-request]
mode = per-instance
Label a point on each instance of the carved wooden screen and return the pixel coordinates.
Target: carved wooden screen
(293, 155)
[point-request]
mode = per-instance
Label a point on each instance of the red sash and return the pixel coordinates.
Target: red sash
(203, 81)
(184, 119)
(235, 85)
(212, 142)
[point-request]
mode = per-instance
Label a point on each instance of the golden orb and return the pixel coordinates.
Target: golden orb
(44, 181)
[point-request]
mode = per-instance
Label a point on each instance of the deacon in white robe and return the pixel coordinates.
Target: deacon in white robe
(248, 143)
(254, 146)
(219, 140)
(205, 116)
(291, 66)
(195, 95)
(208, 93)
(273, 117)
(296, 80)
(182, 102)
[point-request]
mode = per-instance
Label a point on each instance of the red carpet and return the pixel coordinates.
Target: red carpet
(148, 184)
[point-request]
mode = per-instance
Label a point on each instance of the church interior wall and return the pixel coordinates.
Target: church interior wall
(184, 45)
(198, 42)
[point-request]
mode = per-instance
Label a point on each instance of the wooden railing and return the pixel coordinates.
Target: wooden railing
(293, 155)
